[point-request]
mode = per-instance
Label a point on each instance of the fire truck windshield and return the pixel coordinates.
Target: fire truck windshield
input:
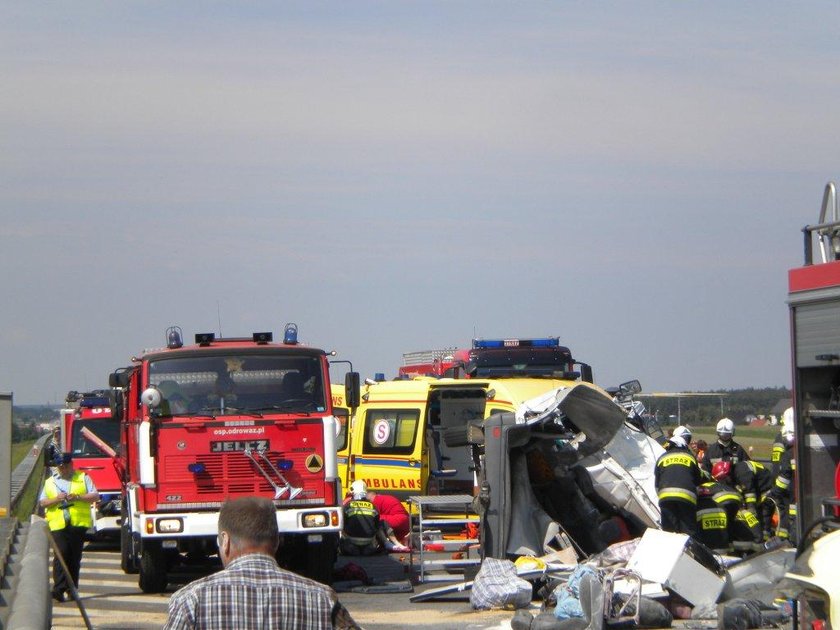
(106, 430)
(553, 362)
(233, 384)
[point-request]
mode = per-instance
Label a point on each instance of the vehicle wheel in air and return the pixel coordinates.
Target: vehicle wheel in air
(152, 568)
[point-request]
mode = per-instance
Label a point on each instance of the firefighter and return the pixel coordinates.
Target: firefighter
(365, 533)
(725, 449)
(778, 442)
(782, 491)
(66, 498)
(743, 527)
(754, 481)
(677, 476)
(712, 519)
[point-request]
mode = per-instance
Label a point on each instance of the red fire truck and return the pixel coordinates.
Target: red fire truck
(92, 434)
(221, 419)
(498, 358)
(814, 300)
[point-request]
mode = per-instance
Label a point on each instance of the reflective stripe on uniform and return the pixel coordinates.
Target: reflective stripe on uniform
(677, 493)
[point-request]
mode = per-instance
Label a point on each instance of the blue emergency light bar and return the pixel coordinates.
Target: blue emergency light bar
(285, 464)
(197, 469)
(543, 342)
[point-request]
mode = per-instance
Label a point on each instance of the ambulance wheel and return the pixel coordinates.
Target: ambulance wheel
(128, 560)
(319, 562)
(152, 568)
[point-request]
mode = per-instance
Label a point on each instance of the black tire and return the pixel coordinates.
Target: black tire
(153, 578)
(128, 560)
(320, 559)
(313, 560)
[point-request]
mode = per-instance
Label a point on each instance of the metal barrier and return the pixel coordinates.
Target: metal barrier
(24, 555)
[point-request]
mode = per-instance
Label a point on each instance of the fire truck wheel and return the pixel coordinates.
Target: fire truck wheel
(320, 560)
(128, 559)
(152, 568)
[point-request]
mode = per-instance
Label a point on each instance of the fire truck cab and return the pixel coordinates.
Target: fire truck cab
(221, 419)
(91, 434)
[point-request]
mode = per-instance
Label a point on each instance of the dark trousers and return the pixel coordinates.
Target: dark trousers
(679, 517)
(69, 541)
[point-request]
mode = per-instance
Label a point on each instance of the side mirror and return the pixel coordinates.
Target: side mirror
(586, 373)
(119, 378)
(630, 387)
(352, 389)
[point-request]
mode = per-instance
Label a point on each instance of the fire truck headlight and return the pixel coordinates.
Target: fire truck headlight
(319, 519)
(170, 525)
(197, 468)
(285, 464)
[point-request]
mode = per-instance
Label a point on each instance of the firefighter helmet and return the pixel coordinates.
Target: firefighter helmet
(787, 433)
(721, 470)
(359, 489)
(683, 432)
(787, 417)
(725, 428)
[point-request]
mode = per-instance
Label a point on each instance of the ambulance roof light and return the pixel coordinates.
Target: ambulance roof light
(290, 334)
(542, 342)
(174, 337)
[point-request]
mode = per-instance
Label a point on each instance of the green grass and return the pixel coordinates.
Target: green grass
(759, 438)
(29, 494)
(21, 450)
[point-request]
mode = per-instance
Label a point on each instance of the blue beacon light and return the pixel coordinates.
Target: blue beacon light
(290, 334)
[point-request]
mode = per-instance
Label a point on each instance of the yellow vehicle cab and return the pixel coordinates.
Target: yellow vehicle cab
(398, 442)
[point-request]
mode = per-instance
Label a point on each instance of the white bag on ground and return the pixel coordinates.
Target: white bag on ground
(497, 586)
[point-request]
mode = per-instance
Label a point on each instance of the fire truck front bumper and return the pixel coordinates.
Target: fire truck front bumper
(312, 521)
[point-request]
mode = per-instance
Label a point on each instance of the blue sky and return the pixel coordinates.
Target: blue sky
(396, 176)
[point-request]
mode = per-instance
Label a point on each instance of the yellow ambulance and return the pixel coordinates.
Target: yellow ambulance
(400, 433)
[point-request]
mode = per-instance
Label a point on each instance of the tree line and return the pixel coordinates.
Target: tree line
(736, 404)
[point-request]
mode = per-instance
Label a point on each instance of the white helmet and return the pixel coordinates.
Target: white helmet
(359, 489)
(787, 417)
(682, 432)
(725, 427)
(787, 433)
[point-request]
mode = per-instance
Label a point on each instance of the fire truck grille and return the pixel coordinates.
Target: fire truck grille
(228, 474)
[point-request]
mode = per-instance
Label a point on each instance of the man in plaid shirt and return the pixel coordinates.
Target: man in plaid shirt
(253, 591)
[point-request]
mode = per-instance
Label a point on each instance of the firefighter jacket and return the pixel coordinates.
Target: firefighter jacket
(782, 492)
(776, 453)
(712, 519)
(361, 522)
(75, 513)
(677, 475)
(754, 481)
(717, 452)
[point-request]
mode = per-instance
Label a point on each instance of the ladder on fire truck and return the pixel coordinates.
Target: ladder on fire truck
(827, 230)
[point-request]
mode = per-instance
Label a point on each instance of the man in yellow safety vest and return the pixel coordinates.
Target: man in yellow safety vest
(66, 498)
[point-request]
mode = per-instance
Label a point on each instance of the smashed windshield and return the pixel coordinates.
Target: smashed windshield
(234, 384)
